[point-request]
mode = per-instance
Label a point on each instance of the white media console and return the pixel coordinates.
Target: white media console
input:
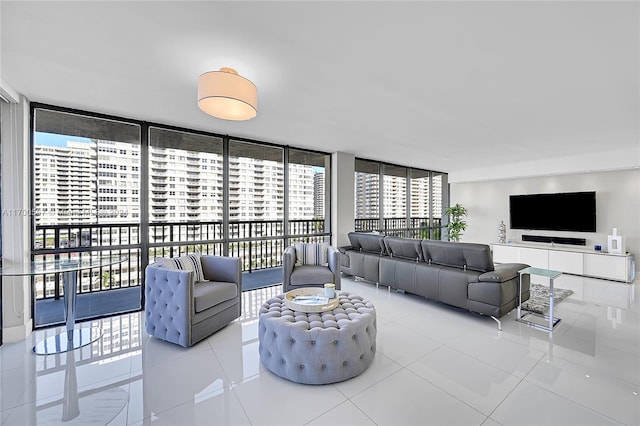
(577, 261)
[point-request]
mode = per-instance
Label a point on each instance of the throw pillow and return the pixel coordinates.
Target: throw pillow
(190, 262)
(311, 253)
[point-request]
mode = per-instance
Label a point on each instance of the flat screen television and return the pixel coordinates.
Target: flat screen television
(566, 211)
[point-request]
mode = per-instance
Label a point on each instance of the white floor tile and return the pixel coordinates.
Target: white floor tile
(614, 398)
(381, 367)
(271, 400)
(406, 399)
(475, 382)
(434, 365)
(531, 405)
(218, 408)
(402, 345)
(345, 414)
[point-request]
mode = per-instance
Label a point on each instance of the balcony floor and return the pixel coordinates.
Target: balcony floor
(103, 303)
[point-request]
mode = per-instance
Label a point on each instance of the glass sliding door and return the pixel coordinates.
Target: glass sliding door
(410, 201)
(256, 204)
(86, 204)
(421, 223)
(367, 193)
(395, 200)
(308, 198)
(186, 193)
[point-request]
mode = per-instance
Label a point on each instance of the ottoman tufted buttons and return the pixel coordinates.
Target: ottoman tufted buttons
(332, 357)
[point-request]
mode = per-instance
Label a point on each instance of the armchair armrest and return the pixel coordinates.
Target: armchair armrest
(221, 268)
(168, 303)
(288, 262)
(334, 260)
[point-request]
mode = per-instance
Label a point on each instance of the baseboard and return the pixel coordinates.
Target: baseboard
(17, 333)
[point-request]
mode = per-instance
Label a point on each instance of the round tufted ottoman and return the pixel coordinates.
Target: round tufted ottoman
(318, 348)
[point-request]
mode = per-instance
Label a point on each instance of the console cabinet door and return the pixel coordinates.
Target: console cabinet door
(538, 258)
(506, 254)
(566, 261)
(606, 266)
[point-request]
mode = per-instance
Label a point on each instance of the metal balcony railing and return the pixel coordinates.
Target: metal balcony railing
(258, 243)
(418, 227)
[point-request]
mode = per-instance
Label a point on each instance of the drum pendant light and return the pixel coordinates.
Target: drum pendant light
(227, 95)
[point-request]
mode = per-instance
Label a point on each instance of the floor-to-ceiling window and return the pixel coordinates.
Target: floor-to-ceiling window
(256, 204)
(307, 198)
(185, 193)
(397, 200)
(86, 204)
(394, 199)
(367, 193)
(109, 185)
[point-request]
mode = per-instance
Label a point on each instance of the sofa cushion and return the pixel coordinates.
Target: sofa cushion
(405, 248)
(208, 294)
(475, 257)
(311, 253)
(189, 262)
(368, 242)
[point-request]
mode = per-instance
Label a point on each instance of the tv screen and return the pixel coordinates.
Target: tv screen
(568, 211)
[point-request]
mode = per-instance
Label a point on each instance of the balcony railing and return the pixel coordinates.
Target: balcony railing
(418, 227)
(258, 243)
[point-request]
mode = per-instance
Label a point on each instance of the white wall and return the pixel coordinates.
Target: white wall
(617, 205)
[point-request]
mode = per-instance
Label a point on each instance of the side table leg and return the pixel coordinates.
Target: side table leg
(551, 305)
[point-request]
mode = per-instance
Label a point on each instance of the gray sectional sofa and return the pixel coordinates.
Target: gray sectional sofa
(459, 274)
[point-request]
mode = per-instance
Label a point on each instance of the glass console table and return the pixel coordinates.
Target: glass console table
(72, 338)
(550, 320)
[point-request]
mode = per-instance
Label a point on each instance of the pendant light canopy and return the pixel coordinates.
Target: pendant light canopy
(224, 94)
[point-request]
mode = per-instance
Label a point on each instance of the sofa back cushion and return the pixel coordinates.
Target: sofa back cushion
(368, 242)
(405, 248)
(475, 257)
(190, 262)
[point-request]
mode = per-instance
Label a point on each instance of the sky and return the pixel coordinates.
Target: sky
(52, 139)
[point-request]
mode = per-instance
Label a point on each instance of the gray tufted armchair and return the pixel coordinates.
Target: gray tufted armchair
(182, 311)
(296, 275)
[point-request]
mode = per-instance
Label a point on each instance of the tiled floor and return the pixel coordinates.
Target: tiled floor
(434, 365)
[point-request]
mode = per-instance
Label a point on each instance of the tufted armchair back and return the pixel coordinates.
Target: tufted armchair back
(182, 310)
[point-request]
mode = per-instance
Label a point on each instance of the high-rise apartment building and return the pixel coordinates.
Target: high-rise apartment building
(99, 182)
(318, 194)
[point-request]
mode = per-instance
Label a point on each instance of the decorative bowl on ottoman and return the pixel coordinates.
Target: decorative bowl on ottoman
(321, 347)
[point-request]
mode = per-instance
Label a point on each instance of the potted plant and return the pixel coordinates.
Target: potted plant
(456, 225)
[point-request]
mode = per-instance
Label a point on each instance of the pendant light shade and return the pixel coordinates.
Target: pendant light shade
(224, 94)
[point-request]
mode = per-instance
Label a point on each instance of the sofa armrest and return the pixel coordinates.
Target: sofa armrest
(502, 272)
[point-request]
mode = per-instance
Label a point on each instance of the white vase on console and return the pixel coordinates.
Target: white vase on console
(615, 243)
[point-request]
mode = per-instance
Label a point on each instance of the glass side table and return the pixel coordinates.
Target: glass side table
(550, 320)
(72, 338)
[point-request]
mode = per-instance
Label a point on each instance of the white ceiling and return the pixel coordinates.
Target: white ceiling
(477, 89)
